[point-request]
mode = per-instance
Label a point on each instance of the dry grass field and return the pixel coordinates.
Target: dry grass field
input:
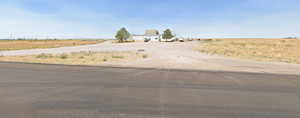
(126, 41)
(279, 50)
(32, 44)
(79, 58)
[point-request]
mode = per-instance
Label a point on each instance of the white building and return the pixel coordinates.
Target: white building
(150, 35)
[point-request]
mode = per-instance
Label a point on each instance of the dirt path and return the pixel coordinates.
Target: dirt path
(173, 55)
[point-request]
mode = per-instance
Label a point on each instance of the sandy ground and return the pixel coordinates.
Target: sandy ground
(79, 58)
(172, 55)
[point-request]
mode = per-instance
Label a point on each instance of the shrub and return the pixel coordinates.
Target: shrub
(118, 57)
(105, 60)
(63, 56)
(81, 57)
(44, 56)
(125, 41)
(145, 56)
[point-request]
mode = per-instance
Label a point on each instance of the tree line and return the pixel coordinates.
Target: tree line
(123, 34)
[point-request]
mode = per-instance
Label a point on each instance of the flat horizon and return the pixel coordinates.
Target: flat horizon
(191, 18)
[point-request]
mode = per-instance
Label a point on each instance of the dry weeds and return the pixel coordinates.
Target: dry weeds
(280, 50)
(79, 58)
(32, 44)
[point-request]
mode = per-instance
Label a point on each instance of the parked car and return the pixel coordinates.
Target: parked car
(181, 40)
(147, 39)
(170, 40)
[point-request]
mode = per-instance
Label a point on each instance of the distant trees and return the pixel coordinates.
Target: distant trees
(122, 35)
(167, 34)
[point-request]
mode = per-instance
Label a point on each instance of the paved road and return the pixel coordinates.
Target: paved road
(52, 91)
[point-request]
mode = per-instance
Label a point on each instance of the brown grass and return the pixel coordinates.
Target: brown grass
(125, 41)
(32, 44)
(280, 50)
(80, 58)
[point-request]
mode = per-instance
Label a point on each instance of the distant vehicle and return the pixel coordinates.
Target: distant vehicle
(190, 39)
(162, 40)
(181, 40)
(147, 39)
(170, 40)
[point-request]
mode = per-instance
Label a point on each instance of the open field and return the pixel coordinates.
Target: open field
(125, 41)
(78, 58)
(279, 50)
(33, 44)
(176, 55)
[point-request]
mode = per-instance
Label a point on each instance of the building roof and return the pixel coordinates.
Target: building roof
(137, 35)
(152, 32)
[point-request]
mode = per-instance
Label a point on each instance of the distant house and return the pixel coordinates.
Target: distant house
(291, 38)
(152, 35)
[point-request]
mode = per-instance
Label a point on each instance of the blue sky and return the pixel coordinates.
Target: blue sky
(188, 18)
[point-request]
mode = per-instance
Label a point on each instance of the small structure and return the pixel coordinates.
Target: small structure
(152, 32)
(150, 35)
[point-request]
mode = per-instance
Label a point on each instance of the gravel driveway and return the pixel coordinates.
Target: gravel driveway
(172, 55)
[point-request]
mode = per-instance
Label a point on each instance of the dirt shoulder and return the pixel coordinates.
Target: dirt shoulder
(79, 58)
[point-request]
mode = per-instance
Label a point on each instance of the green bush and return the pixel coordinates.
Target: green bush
(44, 56)
(118, 57)
(122, 35)
(145, 56)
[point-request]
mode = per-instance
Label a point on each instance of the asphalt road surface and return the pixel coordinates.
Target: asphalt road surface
(53, 91)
